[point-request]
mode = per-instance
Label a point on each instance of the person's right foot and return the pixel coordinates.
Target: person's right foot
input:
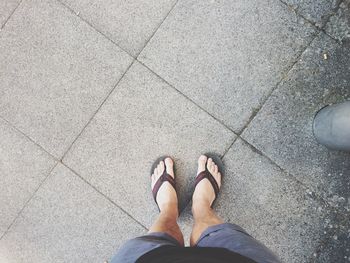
(204, 193)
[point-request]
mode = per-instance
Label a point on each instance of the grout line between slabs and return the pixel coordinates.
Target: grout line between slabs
(14, 10)
(319, 28)
(90, 25)
(97, 110)
(30, 139)
(296, 11)
(228, 148)
(285, 74)
(188, 98)
(29, 199)
(336, 9)
(105, 196)
(155, 31)
(179, 92)
(72, 11)
(315, 194)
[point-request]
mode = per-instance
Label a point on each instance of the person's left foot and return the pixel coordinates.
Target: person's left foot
(166, 196)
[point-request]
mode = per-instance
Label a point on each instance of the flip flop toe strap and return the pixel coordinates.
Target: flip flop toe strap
(165, 177)
(208, 175)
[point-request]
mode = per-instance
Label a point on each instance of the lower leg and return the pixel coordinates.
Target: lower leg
(204, 217)
(203, 198)
(167, 203)
(167, 223)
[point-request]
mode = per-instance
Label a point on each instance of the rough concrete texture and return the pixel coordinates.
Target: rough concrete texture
(23, 166)
(6, 9)
(283, 128)
(270, 205)
(227, 55)
(54, 73)
(144, 119)
(128, 23)
(67, 221)
(239, 78)
(317, 12)
(337, 247)
(339, 25)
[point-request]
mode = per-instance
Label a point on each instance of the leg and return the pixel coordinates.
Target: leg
(203, 196)
(203, 218)
(210, 231)
(167, 202)
(167, 223)
(165, 231)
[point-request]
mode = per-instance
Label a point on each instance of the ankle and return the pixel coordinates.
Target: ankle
(169, 210)
(201, 209)
(200, 204)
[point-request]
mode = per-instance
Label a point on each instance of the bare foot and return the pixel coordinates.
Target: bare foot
(166, 196)
(204, 193)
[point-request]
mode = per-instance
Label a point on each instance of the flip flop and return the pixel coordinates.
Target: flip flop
(165, 177)
(206, 174)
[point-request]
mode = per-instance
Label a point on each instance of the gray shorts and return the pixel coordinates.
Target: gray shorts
(229, 236)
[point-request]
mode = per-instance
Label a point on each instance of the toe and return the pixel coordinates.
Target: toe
(217, 177)
(153, 180)
(156, 173)
(210, 166)
(201, 163)
(169, 164)
(161, 167)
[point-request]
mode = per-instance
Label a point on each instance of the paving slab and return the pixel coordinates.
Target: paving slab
(283, 128)
(143, 119)
(23, 166)
(271, 206)
(67, 221)
(227, 55)
(317, 12)
(55, 71)
(128, 23)
(6, 9)
(339, 24)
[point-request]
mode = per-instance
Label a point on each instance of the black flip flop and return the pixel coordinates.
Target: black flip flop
(206, 174)
(165, 177)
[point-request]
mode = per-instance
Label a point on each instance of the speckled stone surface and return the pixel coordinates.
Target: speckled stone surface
(142, 120)
(270, 205)
(23, 166)
(339, 25)
(227, 55)
(336, 247)
(240, 78)
(128, 23)
(7, 7)
(67, 221)
(283, 128)
(318, 12)
(55, 71)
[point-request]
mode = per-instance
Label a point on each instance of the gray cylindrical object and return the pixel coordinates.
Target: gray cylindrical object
(332, 126)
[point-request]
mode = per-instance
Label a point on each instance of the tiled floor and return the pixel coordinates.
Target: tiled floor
(91, 92)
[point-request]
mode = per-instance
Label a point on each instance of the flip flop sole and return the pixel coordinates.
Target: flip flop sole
(155, 164)
(221, 168)
(217, 160)
(157, 161)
